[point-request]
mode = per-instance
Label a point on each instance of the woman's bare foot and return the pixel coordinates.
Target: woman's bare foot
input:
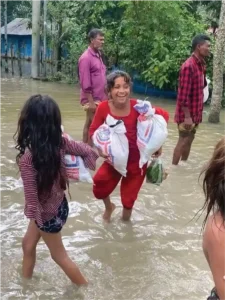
(108, 212)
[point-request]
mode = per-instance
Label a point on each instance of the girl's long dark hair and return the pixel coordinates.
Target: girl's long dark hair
(214, 182)
(39, 130)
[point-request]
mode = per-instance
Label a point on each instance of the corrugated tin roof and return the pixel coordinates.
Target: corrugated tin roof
(19, 26)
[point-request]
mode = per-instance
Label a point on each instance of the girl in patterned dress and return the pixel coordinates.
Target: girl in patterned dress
(41, 162)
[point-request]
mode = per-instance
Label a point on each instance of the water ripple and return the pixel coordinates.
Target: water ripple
(157, 255)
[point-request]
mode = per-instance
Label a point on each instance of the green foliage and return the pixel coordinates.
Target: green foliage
(148, 38)
(163, 32)
(213, 11)
(16, 9)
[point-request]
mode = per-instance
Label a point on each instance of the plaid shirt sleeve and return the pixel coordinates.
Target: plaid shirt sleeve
(185, 84)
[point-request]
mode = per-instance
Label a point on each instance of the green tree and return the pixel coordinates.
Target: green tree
(157, 40)
(148, 38)
(35, 72)
(218, 67)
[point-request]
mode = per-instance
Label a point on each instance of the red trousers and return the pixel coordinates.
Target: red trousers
(107, 178)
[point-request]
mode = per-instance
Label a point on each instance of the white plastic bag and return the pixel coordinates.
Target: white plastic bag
(75, 169)
(111, 139)
(206, 91)
(151, 131)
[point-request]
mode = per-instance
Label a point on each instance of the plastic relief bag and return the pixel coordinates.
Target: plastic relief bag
(206, 91)
(111, 139)
(151, 131)
(75, 169)
(156, 173)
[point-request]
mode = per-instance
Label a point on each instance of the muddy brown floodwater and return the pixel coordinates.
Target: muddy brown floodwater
(156, 256)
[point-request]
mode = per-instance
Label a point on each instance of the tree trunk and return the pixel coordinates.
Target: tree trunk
(45, 33)
(1, 24)
(59, 49)
(19, 61)
(218, 63)
(12, 57)
(6, 39)
(36, 5)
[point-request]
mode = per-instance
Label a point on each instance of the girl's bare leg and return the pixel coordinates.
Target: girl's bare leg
(29, 245)
(60, 256)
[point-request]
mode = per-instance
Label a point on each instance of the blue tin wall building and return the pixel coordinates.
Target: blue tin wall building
(20, 37)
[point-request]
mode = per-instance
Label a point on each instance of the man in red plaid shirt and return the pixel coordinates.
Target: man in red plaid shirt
(189, 106)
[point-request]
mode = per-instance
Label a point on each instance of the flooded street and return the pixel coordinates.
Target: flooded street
(157, 256)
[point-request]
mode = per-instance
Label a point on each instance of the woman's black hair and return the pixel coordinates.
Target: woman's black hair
(214, 182)
(39, 130)
(113, 76)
